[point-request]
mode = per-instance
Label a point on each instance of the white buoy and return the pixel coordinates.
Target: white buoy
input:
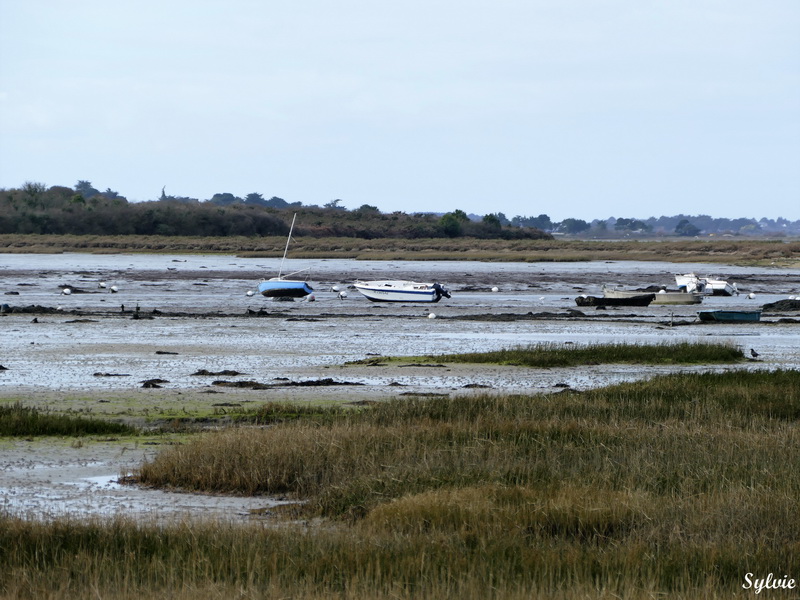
(114, 289)
(249, 292)
(66, 291)
(495, 289)
(311, 298)
(751, 295)
(431, 316)
(102, 284)
(335, 288)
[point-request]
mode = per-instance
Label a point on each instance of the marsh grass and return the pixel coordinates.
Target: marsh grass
(673, 487)
(17, 420)
(559, 355)
(743, 251)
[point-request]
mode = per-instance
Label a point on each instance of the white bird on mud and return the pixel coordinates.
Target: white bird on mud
(249, 292)
(114, 289)
(342, 295)
(102, 284)
(751, 295)
(66, 291)
(335, 288)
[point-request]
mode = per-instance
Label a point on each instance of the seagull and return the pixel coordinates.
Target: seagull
(753, 353)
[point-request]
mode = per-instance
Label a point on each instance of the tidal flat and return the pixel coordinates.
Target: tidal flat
(210, 352)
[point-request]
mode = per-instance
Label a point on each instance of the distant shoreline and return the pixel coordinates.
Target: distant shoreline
(777, 252)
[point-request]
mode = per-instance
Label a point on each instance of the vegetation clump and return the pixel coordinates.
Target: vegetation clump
(559, 355)
(17, 420)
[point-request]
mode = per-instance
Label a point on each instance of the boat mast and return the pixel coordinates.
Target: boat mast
(289, 239)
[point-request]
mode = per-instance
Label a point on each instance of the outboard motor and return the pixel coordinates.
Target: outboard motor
(440, 291)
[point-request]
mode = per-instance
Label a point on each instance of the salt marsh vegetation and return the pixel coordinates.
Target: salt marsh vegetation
(673, 487)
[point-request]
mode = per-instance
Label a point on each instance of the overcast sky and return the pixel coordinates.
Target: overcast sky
(572, 108)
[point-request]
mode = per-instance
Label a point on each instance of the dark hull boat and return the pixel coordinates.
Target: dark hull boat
(639, 300)
(730, 316)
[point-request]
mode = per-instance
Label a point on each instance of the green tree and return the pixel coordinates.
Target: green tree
(460, 215)
(573, 226)
(334, 204)
(492, 221)
(85, 189)
(631, 225)
(255, 198)
(451, 225)
(686, 229)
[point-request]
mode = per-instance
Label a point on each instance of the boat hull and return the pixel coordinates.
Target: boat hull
(284, 288)
(401, 291)
(660, 297)
(637, 300)
(730, 316)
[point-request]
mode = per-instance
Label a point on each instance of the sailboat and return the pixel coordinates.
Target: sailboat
(280, 286)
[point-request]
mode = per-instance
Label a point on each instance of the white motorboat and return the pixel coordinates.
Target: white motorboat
(401, 291)
(720, 287)
(691, 283)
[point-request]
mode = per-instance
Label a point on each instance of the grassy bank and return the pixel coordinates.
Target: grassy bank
(745, 252)
(674, 487)
(17, 420)
(559, 355)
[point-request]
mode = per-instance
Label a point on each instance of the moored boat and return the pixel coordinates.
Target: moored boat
(637, 300)
(401, 291)
(691, 283)
(661, 297)
(280, 286)
(720, 287)
(729, 316)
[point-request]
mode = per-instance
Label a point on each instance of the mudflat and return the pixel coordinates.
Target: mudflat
(169, 341)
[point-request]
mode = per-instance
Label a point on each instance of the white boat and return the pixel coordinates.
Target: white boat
(280, 286)
(705, 285)
(720, 287)
(401, 291)
(661, 297)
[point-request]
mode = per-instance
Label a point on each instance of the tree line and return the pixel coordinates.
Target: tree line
(59, 210)
(85, 210)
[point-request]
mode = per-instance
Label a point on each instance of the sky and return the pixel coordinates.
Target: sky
(584, 109)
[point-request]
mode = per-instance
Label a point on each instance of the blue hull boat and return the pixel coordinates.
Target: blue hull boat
(278, 287)
(730, 316)
(284, 288)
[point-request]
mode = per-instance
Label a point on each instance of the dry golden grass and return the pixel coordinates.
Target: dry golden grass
(750, 252)
(670, 488)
